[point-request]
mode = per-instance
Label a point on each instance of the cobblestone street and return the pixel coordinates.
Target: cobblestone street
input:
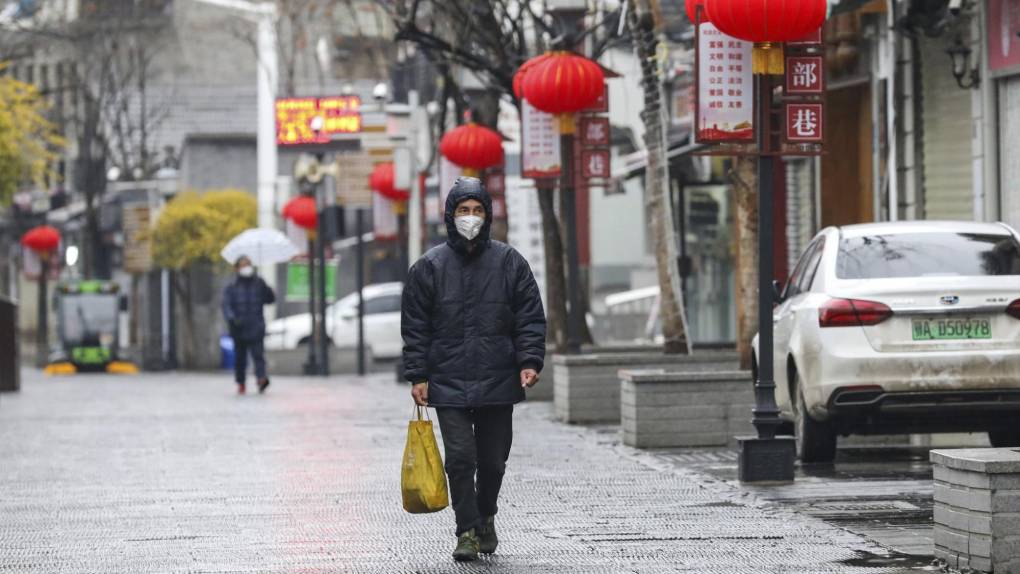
(174, 473)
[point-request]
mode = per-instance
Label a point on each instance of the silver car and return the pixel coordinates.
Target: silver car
(901, 327)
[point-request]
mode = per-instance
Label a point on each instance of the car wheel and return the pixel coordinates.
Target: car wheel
(1004, 438)
(816, 441)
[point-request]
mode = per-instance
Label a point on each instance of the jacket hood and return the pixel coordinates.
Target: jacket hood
(463, 189)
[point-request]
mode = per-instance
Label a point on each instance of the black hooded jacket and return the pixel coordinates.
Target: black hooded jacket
(471, 319)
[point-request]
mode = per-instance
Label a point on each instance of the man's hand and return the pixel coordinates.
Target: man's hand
(528, 378)
(420, 393)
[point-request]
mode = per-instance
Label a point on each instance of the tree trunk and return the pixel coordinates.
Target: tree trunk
(583, 278)
(182, 288)
(660, 208)
(555, 281)
(745, 187)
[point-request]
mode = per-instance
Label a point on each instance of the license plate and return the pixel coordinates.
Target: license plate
(950, 329)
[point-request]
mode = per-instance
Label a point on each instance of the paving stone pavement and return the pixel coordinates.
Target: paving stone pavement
(173, 473)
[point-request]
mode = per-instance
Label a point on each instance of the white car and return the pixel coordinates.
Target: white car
(382, 323)
(900, 327)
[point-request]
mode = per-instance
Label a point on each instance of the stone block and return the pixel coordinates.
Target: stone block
(952, 540)
(962, 477)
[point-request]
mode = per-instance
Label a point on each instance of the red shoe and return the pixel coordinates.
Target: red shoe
(240, 388)
(263, 385)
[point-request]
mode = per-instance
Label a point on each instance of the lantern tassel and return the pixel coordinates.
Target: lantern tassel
(767, 58)
(469, 172)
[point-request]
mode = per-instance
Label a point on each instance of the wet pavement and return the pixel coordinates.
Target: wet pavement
(173, 473)
(883, 493)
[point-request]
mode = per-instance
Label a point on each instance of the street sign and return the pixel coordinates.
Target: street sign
(540, 143)
(137, 221)
(594, 131)
(805, 75)
(804, 123)
(298, 281)
(725, 110)
(595, 164)
(353, 170)
(315, 120)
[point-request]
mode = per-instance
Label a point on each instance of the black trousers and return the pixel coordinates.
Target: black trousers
(476, 441)
(244, 347)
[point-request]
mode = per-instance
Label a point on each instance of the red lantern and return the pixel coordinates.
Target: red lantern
(472, 147)
(301, 210)
(518, 83)
(692, 10)
(563, 83)
(766, 23)
(42, 239)
(382, 182)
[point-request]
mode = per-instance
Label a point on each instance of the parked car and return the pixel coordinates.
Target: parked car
(382, 323)
(899, 328)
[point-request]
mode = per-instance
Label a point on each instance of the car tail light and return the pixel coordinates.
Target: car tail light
(1013, 309)
(852, 313)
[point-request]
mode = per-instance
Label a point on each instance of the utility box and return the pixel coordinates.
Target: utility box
(10, 366)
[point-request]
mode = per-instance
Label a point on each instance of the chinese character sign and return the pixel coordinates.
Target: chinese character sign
(540, 154)
(315, 120)
(725, 87)
(595, 164)
(804, 123)
(594, 131)
(804, 75)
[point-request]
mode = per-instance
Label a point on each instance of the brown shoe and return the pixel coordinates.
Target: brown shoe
(240, 388)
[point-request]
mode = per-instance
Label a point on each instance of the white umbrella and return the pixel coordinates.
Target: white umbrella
(263, 246)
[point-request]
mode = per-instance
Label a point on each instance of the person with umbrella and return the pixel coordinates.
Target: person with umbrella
(246, 295)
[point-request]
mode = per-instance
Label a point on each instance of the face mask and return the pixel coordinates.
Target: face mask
(469, 226)
(246, 271)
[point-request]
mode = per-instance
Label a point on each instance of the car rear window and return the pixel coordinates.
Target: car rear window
(927, 255)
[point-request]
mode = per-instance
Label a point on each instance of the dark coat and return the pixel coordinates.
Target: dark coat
(243, 299)
(471, 319)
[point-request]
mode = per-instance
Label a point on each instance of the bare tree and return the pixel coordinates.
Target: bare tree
(660, 209)
(745, 183)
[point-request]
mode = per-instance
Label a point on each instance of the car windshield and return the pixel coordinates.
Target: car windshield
(938, 254)
(88, 318)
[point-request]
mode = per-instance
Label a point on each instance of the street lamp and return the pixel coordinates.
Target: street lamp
(959, 54)
(264, 15)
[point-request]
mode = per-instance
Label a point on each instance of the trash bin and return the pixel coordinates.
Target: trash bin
(10, 369)
(226, 352)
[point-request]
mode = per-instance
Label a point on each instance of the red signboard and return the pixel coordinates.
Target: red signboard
(594, 131)
(595, 164)
(316, 120)
(804, 123)
(1003, 42)
(725, 111)
(805, 75)
(495, 181)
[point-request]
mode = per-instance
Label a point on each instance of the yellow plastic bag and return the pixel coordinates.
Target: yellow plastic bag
(422, 478)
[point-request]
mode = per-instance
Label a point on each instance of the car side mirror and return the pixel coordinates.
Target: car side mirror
(777, 291)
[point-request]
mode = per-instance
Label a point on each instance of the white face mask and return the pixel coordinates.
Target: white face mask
(246, 271)
(469, 226)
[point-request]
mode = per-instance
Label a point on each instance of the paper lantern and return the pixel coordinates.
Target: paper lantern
(518, 83)
(381, 181)
(41, 239)
(563, 83)
(767, 23)
(472, 147)
(302, 211)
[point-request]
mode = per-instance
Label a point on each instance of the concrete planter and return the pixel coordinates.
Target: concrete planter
(544, 390)
(977, 508)
(660, 408)
(587, 387)
(291, 361)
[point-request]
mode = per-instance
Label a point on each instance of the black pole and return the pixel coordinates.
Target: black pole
(574, 316)
(312, 366)
(360, 278)
(42, 352)
(322, 338)
(765, 458)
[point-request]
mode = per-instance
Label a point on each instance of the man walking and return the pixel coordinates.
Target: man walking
(474, 339)
(243, 299)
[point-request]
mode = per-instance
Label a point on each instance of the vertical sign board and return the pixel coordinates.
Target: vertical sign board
(1003, 41)
(540, 144)
(137, 220)
(805, 75)
(804, 123)
(353, 171)
(725, 110)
